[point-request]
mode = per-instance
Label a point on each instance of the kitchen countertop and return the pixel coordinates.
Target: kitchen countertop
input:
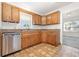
(28, 30)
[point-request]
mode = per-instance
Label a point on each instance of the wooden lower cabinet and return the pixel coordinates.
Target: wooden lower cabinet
(44, 36)
(35, 39)
(30, 39)
(25, 42)
(50, 37)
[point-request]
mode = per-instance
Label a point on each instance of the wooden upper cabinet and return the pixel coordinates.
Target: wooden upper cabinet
(56, 18)
(53, 18)
(33, 19)
(15, 14)
(10, 13)
(43, 20)
(39, 17)
(49, 19)
(6, 12)
(36, 19)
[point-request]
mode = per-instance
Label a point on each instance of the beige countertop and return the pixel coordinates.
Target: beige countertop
(30, 30)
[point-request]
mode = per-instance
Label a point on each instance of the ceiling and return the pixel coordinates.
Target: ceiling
(40, 7)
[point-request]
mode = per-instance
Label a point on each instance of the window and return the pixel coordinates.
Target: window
(25, 21)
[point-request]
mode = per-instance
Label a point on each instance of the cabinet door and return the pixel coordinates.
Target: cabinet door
(56, 18)
(25, 41)
(33, 19)
(44, 37)
(51, 38)
(39, 19)
(43, 20)
(6, 12)
(15, 15)
(49, 19)
(36, 19)
(35, 39)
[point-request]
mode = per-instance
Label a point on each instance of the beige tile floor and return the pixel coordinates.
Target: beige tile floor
(47, 50)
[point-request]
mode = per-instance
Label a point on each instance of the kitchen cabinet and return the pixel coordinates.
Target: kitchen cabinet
(49, 19)
(56, 17)
(51, 37)
(10, 13)
(15, 14)
(35, 39)
(6, 12)
(36, 19)
(25, 40)
(30, 39)
(44, 20)
(53, 18)
(44, 36)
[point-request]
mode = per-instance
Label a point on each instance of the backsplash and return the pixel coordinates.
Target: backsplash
(6, 25)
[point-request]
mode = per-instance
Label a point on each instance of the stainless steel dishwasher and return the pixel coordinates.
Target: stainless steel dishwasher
(11, 42)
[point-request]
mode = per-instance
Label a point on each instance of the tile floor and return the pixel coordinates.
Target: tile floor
(47, 50)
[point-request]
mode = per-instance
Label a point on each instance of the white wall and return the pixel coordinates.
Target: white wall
(65, 10)
(69, 8)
